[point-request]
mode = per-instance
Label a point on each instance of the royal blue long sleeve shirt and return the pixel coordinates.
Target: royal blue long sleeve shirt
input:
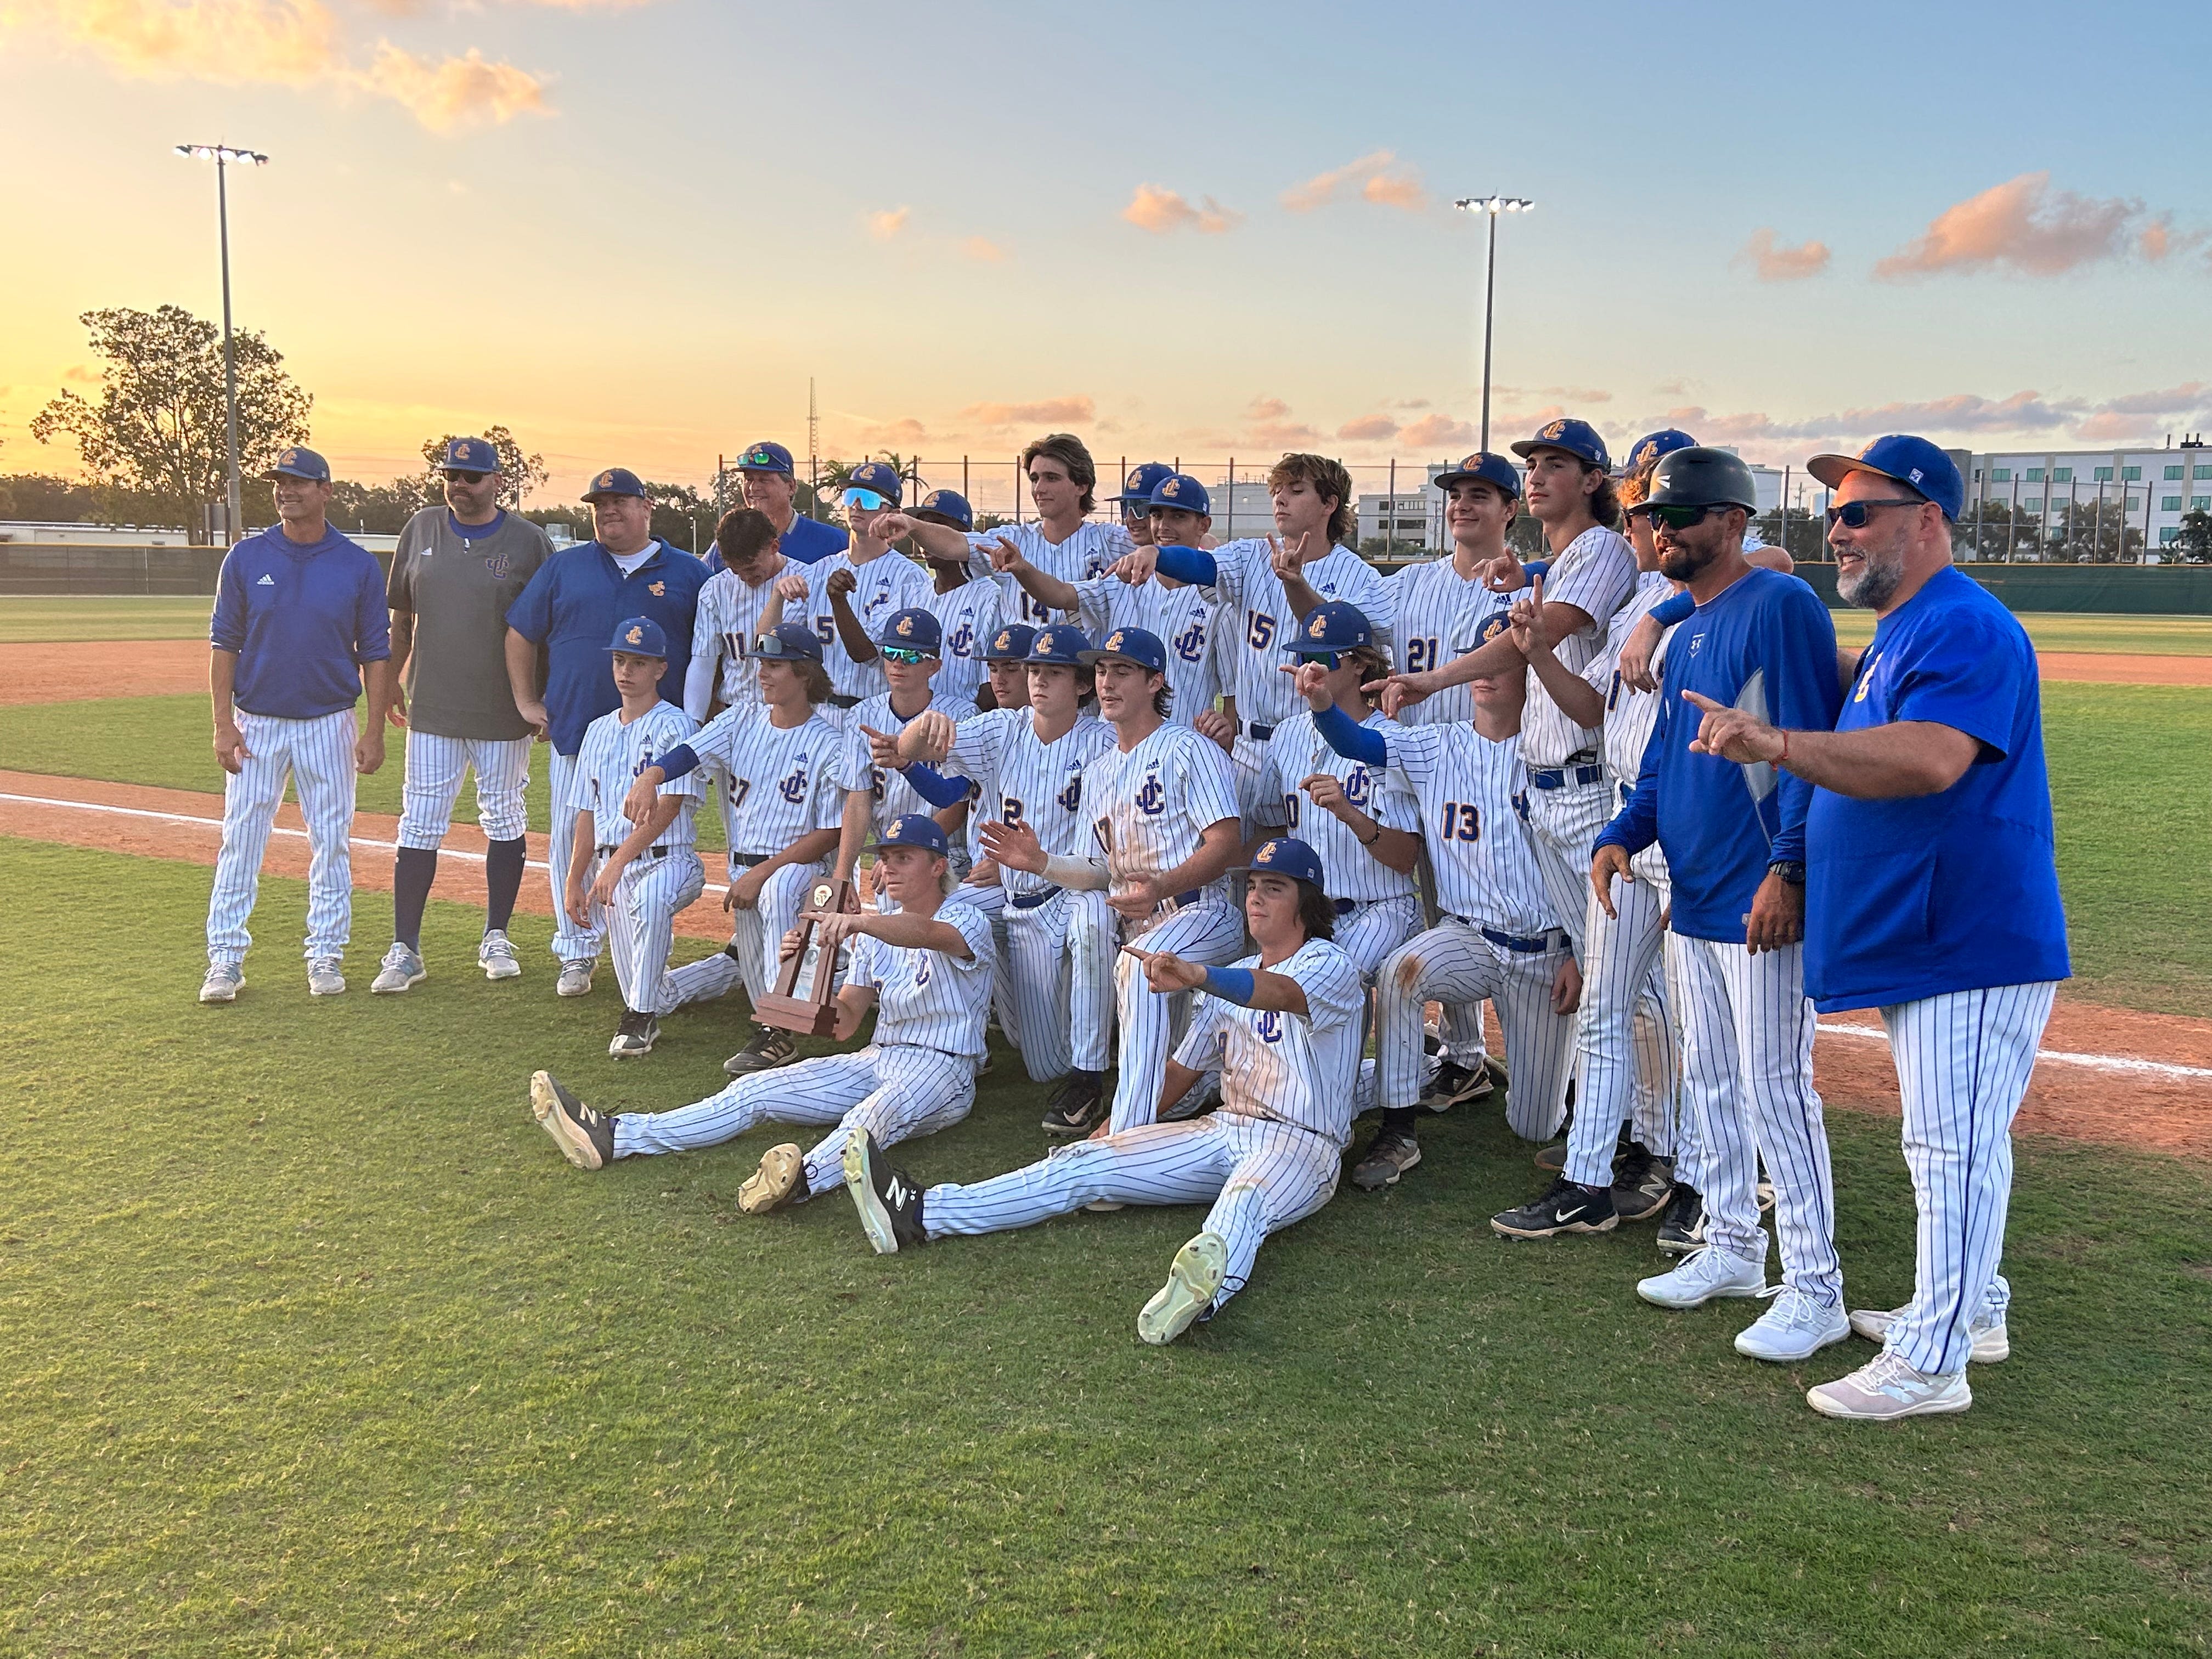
(303, 618)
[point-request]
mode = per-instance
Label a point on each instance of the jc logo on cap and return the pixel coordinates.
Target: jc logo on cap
(635, 636)
(604, 480)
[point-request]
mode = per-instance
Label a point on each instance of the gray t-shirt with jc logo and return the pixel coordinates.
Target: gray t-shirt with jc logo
(457, 580)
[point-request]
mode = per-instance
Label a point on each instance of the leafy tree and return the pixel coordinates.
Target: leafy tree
(520, 474)
(2195, 546)
(157, 430)
(45, 499)
(1803, 534)
(375, 509)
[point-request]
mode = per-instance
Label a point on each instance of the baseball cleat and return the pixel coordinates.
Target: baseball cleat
(1453, 1083)
(888, 1202)
(1795, 1327)
(1194, 1280)
(402, 970)
(1990, 1343)
(224, 980)
(1567, 1207)
(1552, 1159)
(1078, 1106)
(585, 1138)
(635, 1037)
(1886, 1389)
(1703, 1274)
(1642, 1183)
(769, 1049)
(1388, 1155)
(325, 977)
(1682, 1229)
(495, 956)
(576, 980)
(781, 1179)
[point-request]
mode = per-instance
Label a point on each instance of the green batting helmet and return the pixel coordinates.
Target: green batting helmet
(1702, 477)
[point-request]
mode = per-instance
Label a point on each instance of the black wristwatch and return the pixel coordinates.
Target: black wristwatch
(1791, 870)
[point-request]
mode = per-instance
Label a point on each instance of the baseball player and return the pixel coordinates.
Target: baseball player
(1497, 940)
(910, 649)
(1735, 839)
(567, 612)
(631, 875)
(299, 629)
(966, 604)
(783, 797)
(458, 569)
(771, 484)
(721, 674)
(923, 966)
(1282, 1026)
(1030, 765)
(845, 596)
(1933, 895)
(1164, 813)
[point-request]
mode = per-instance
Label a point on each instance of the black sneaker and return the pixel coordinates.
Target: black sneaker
(769, 1049)
(1453, 1083)
(586, 1137)
(1078, 1106)
(1566, 1207)
(1682, 1229)
(888, 1202)
(1388, 1155)
(635, 1036)
(1643, 1181)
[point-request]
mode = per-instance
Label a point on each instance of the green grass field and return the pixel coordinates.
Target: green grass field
(2154, 637)
(312, 1343)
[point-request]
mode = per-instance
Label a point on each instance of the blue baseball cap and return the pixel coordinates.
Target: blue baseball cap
(880, 475)
(615, 481)
(641, 636)
(950, 505)
(469, 455)
(915, 830)
(1495, 623)
(765, 457)
(1063, 643)
(1489, 468)
(1908, 460)
(1011, 643)
(789, 642)
(1181, 490)
(1285, 855)
(913, 630)
(1335, 626)
(1135, 645)
(1578, 438)
(1137, 488)
(300, 462)
(1651, 446)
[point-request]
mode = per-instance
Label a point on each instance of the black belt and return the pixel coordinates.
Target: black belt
(1258, 732)
(1030, 900)
(748, 860)
(1558, 777)
(649, 852)
(1516, 942)
(839, 700)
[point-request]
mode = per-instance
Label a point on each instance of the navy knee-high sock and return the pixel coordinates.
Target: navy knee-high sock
(503, 861)
(413, 870)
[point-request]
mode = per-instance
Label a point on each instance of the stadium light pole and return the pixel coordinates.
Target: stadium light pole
(222, 155)
(1491, 207)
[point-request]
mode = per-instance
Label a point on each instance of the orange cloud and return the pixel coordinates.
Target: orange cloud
(1781, 265)
(982, 248)
(1049, 412)
(2021, 225)
(1367, 429)
(1439, 432)
(1377, 184)
(1161, 211)
(886, 222)
(453, 92)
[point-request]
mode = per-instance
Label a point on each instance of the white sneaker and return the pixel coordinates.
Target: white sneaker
(325, 977)
(402, 970)
(1990, 1344)
(495, 956)
(224, 980)
(1887, 1389)
(576, 980)
(1700, 1276)
(1795, 1327)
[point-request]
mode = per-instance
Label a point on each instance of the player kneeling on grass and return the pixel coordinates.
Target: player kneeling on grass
(632, 875)
(1283, 1028)
(928, 962)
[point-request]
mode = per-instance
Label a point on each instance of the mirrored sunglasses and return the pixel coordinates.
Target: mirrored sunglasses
(867, 501)
(903, 653)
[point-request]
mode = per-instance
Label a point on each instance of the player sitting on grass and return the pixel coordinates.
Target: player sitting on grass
(632, 876)
(928, 964)
(1283, 1025)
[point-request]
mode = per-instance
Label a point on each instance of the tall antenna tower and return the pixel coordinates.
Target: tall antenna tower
(813, 441)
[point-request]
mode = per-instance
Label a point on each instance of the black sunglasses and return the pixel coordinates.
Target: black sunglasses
(1853, 515)
(458, 477)
(1678, 518)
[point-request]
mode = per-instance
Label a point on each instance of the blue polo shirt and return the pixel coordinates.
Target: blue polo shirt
(808, 541)
(1958, 892)
(571, 607)
(303, 618)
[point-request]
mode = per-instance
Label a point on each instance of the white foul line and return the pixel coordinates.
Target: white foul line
(2094, 1062)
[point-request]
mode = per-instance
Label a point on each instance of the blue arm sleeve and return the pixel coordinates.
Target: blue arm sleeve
(1194, 565)
(1673, 609)
(226, 626)
(1805, 698)
(1636, 826)
(1231, 984)
(372, 628)
(677, 762)
(1350, 740)
(1534, 569)
(932, 786)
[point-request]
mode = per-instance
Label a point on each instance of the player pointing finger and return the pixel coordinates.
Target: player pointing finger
(1734, 734)
(1168, 972)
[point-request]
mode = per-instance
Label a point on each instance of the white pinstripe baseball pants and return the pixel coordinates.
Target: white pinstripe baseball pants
(1453, 962)
(1963, 1063)
(1562, 825)
(895, 1093)
(318, 755)
(1211, 931)
(1374, 927)
(1624, 1035)
(570, 942)
(641, 924)
(1061, 985)
(757, 934)
(1748, 1088)
(434, 765)
(1261, 1177)
(990, 898)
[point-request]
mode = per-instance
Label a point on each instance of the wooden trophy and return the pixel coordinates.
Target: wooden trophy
(810, 1012)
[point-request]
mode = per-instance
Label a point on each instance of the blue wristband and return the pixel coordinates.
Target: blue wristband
(1231, 984)
(1534, 569)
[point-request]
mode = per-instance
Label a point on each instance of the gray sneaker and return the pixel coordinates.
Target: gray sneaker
(1990, 1343)
(402, 970)
(224, 980)
(495, 956)
(325, 977)
(576, 980)
(1388, 1155)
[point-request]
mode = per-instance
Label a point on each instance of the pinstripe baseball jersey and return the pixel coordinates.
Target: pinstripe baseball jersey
(1254, 607)
(1440, 615)
(1149, 807)
(968, 617)
(783, 780)
(727, 619)
(1183, 618)
(1596, 574)
(1295, 752)
(1478, 845)
(894, 796)
(888, 583)
(1630, 714)
(1096, 544)
(1030, 782)
(609, 759)
(926, 997)
(1298, 1069)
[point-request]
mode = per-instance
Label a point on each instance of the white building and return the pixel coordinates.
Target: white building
(2148, 490)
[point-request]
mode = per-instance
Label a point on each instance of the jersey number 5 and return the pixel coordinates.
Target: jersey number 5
(1462, 821)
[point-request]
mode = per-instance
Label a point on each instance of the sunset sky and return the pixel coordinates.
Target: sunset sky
(631, 229)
